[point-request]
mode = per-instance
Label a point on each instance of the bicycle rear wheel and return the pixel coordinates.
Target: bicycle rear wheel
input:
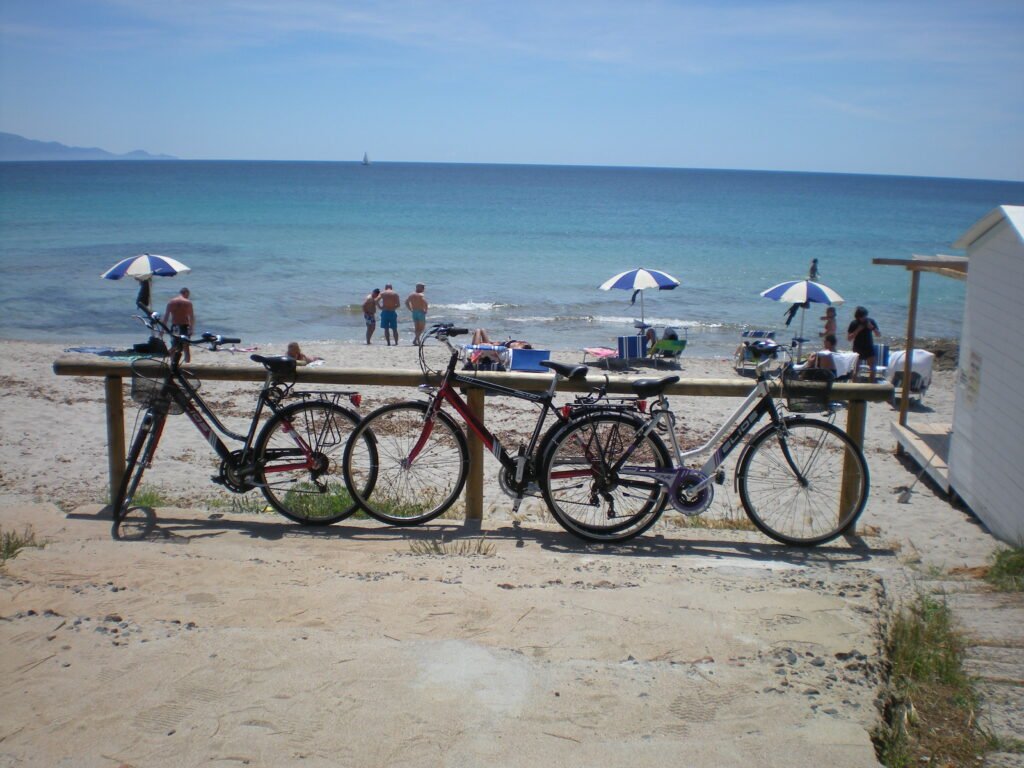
(299, 460)
(584, 492)
(134, 522)
(815, 506)
(417, 470)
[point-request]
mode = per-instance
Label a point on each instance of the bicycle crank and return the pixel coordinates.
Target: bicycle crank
(683, 496)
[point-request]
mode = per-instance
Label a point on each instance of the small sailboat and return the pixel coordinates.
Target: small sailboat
(366, 159)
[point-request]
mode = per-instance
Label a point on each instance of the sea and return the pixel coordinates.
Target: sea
(283, 251)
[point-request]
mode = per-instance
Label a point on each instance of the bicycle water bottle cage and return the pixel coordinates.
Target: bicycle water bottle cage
(280, 366)
(653, 387)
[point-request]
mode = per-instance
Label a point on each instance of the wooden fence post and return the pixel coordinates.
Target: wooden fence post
(475, 481)
(115, 433)
(856, 421)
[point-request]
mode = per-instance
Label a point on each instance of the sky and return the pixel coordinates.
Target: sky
(929, 88)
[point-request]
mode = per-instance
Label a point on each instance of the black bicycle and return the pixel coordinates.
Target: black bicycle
(295, 459)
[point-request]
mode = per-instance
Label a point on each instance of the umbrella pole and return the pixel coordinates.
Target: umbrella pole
(641, 309)
(800, 344)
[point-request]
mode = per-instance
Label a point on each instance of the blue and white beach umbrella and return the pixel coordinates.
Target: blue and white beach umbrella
(145, 266)
(802, 291)
(798, 292)
(638, 280)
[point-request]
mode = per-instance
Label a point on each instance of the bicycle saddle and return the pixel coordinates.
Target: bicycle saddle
(653, 387)
(278, 365)
(568, 371)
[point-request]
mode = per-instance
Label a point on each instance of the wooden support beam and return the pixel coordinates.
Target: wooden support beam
(908, 362)
(475, 481)
(856, 421)
(115, 432)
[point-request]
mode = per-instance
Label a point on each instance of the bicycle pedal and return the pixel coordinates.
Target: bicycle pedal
(217, 479)
(720, 477)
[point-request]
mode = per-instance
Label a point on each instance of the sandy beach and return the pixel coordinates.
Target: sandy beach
(243, 638)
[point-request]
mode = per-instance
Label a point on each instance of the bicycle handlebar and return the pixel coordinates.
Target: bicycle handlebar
(213, 340)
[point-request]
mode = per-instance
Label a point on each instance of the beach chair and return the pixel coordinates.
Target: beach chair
(603, 356)
(881, 363)
(666, 349)
(754, 345)
(920, 373)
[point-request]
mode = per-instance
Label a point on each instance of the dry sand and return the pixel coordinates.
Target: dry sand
(241, 638)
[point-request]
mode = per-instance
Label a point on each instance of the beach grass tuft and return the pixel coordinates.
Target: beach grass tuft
(150, 497)
(12, 542)
(458, 547)
(1007, 571)
(930, 706)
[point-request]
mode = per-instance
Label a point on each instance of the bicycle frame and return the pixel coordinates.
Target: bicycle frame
(446, 392)
(180, 390)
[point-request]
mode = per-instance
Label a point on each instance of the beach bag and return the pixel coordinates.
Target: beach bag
(153, 346)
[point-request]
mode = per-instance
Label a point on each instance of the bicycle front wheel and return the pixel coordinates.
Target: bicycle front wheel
(299, 461)
(585, 492)
(804, 483)
(131, 522)
(417, 470)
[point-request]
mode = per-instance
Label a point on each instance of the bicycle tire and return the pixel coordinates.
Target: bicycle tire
(796, 513)
(386, 485)
(582, 491)
(140, 456)
(317, 496)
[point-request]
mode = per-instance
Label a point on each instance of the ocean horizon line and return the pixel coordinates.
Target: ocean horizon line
(553, 166)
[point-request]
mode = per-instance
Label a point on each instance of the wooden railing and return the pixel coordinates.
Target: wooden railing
(114, 372)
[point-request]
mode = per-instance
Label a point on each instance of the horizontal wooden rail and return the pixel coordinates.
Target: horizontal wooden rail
(113, 371)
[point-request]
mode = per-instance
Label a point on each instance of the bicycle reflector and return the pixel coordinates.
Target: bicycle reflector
(356, 399)
(566, 411)
(642, 405)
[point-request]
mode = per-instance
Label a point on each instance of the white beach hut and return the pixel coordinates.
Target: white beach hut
(986, 455)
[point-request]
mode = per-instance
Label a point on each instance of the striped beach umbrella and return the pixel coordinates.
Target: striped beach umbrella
(638, 280)
(802, 291)
(799, 293)
(144, 266)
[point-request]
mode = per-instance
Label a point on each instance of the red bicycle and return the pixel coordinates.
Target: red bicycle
(407, 462)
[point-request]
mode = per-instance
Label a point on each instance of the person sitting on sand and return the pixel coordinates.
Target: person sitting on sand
(823, 358)
(301, 358)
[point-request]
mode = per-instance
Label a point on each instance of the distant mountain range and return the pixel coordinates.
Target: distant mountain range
(14, 147)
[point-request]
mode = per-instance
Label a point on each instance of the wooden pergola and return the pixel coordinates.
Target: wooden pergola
(928, 444)
(948, 266)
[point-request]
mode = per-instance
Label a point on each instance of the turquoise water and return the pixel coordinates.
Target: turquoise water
(283, 251)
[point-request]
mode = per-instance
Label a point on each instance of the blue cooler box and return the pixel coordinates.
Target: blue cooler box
(528, 359)
(632, 347)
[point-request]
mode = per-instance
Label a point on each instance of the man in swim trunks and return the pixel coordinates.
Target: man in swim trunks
(181, 317)
(370, 313)
(416, 303)
(389, 302)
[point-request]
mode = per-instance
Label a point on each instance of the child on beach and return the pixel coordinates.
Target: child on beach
(300, 357)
